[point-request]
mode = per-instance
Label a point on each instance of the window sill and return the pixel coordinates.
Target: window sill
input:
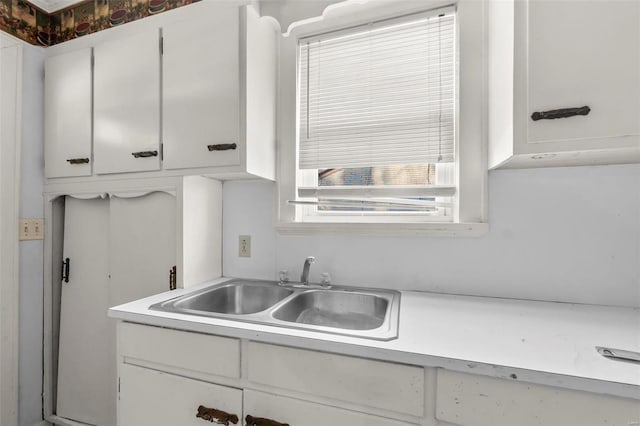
(384, 229)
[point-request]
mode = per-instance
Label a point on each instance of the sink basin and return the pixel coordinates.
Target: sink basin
(237, 298)
(352, 311)
(338, 309)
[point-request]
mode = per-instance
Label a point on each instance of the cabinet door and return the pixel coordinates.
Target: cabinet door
(201, 93)
(153, 398)
(86, 387)
(127, 104)
(142, 245)
(584, 53)
(301, 413)
(68, 114)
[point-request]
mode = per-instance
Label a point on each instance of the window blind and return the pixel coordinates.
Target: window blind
(379, 94)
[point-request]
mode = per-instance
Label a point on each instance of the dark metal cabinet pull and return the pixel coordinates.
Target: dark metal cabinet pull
(145, 154)
(258, 421)
(65, 270)
(78, 160)
(216, 416)
(560, 113)
(173, 278)
(222, 147)
(619, 354)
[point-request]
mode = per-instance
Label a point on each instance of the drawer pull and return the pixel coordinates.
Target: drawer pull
(560, 113)
(619, 354)
(78, 160)
(216, 416)
(145, 154)
(222, 147)
(258, 421)
(65, 269)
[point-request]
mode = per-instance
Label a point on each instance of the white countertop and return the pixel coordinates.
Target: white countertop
(538, 342)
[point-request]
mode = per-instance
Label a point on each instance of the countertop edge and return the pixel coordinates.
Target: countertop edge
(392, 355)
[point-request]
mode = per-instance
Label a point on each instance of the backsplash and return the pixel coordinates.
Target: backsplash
(35, 26)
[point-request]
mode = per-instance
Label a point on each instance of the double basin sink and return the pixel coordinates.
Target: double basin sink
(352, 311)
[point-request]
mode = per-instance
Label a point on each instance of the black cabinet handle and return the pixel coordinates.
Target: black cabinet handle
(78, 160)
(560, 113)
(145, 154)
(216, 416)
(65, 270)
(259, 421)
(222, 147)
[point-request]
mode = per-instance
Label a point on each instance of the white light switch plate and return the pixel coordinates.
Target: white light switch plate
(244, 246)
(31, 229)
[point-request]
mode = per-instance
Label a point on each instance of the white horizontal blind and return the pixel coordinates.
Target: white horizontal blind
(379, 94)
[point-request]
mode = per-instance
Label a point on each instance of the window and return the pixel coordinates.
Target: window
(379, 122)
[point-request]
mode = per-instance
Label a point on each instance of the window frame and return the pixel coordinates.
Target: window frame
(470, 214)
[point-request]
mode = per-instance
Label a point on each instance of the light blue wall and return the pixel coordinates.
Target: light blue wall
(31, 252)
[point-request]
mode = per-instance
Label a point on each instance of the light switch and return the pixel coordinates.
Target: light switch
(31, 229)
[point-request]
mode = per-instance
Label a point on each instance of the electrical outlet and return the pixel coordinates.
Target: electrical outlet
(31, 229)
(244, 246)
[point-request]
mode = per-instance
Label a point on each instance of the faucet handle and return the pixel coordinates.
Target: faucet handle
(310, 259)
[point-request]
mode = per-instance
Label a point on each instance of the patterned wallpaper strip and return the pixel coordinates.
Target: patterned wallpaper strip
(31, 24)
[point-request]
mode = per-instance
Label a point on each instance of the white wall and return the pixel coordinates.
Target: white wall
(557, 234)
(31, 252)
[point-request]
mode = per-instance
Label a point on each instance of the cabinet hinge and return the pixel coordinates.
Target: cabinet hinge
(118, 388)
(173, 278)
(161, 46)
(161, 152)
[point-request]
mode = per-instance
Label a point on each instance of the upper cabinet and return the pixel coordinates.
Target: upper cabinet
(127, 104)
(190, 91)
(564, 86)
(219, 107)
(68, 82)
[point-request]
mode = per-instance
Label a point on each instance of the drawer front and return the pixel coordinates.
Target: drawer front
(470, 400)
(383, 385)
(219, 356)
(153, 398)
(301, 413)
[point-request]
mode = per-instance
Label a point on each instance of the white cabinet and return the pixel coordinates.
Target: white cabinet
(570, 94)
(219, 80)
(123, 242)
(68, 82)
(471, 400)
(176, 372)
(201, 90)
(302, 413)
(154, 398)
(127, 104)
(192, 92)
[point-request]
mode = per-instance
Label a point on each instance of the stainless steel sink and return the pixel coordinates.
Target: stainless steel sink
(338, 309)
(241, 298)
(352, 311)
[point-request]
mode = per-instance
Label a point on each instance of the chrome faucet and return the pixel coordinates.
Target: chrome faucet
(304, 278)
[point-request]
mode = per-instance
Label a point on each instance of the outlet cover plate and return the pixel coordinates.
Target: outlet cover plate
(244, 246)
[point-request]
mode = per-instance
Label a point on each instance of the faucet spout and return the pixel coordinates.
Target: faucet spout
(304, 278)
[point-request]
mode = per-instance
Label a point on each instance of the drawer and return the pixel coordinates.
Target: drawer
(301, 413)
(386, 386)
(153, 398)
(470, 400)
(219, 356)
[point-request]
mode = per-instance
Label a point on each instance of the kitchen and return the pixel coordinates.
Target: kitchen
(555, 234)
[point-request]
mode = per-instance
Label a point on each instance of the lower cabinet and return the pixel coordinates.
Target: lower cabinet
(179, 378)
(283, 410)
(471, 400)
(155, 398)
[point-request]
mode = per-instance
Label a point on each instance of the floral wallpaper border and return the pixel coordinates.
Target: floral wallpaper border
(33, 25)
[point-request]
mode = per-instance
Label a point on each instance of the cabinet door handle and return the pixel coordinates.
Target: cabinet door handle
(65, 270)
(619, 354)
(145, 154)
(78, 160)
(560, 113)
(259, 421)
(216, 416)
(222, 147)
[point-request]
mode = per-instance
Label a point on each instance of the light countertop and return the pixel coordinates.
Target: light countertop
(538, 342)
